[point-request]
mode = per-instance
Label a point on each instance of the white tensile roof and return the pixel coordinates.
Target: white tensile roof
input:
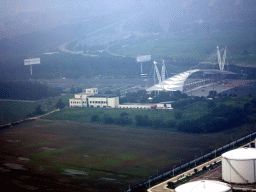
(174, 83)
(241, 154)
(204, 186)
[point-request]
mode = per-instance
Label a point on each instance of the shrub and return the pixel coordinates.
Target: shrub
(60, 105)
(142, 120)
(108, 120)
(124, 120)
(124, 114)
(158, 123)
(171, 124)
(38, 110)
(178, 114)
(211, 104)
(95, 118)
(171, 185)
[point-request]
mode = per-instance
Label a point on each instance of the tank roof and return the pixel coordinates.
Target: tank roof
(204, 186)
(240, 154)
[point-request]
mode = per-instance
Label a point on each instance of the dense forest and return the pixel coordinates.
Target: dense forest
(25, 90)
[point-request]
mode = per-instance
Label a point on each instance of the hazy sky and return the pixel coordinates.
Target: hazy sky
(94, 7)
(90, 6)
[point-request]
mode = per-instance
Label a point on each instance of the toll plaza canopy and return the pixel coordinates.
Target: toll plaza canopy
(174, 83)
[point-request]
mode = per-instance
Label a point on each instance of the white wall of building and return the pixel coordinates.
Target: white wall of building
(164, 106)
(92, 91)
(97, 102)
(77, 103)
(81, 95)
(135, 106)
(113, 102)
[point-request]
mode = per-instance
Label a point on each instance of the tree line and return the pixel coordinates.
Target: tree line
(219, 118)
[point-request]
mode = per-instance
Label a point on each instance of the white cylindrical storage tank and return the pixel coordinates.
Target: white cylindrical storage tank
(204, 186)
(239, 165)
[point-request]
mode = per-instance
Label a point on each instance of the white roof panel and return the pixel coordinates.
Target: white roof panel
(174, 83)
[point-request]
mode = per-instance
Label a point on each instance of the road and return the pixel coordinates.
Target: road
(37, 117)
(63, 47)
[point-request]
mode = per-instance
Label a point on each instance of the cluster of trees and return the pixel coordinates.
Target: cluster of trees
(75, 90)
(186, 101)
(123, 119)
(26, 90)
(221, 117)
(38, 110)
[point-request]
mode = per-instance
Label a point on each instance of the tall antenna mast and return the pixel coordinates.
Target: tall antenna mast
(157, 72)
(224, 58)
(219, 58)
(163, 71)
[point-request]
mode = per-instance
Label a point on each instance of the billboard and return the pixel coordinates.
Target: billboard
(143, 58)
(32, 61)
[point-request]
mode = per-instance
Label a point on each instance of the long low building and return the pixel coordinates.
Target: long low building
(162, 105)
(136, 106)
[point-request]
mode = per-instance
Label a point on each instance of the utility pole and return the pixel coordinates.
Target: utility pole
(173, 170)
(149, 182)
(195, 159)
(2, 116)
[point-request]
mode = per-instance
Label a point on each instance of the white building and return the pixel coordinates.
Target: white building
(163, 105)
(103, 101)
(136, 106)
(91, 98)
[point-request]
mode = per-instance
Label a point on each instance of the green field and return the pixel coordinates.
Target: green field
(122, 155)
(84, 115)
(11, 111)
(15, 110)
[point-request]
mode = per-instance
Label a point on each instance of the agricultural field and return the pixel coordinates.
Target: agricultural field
(99, 157)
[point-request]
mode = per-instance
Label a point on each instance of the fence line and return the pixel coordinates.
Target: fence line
(172, 171)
